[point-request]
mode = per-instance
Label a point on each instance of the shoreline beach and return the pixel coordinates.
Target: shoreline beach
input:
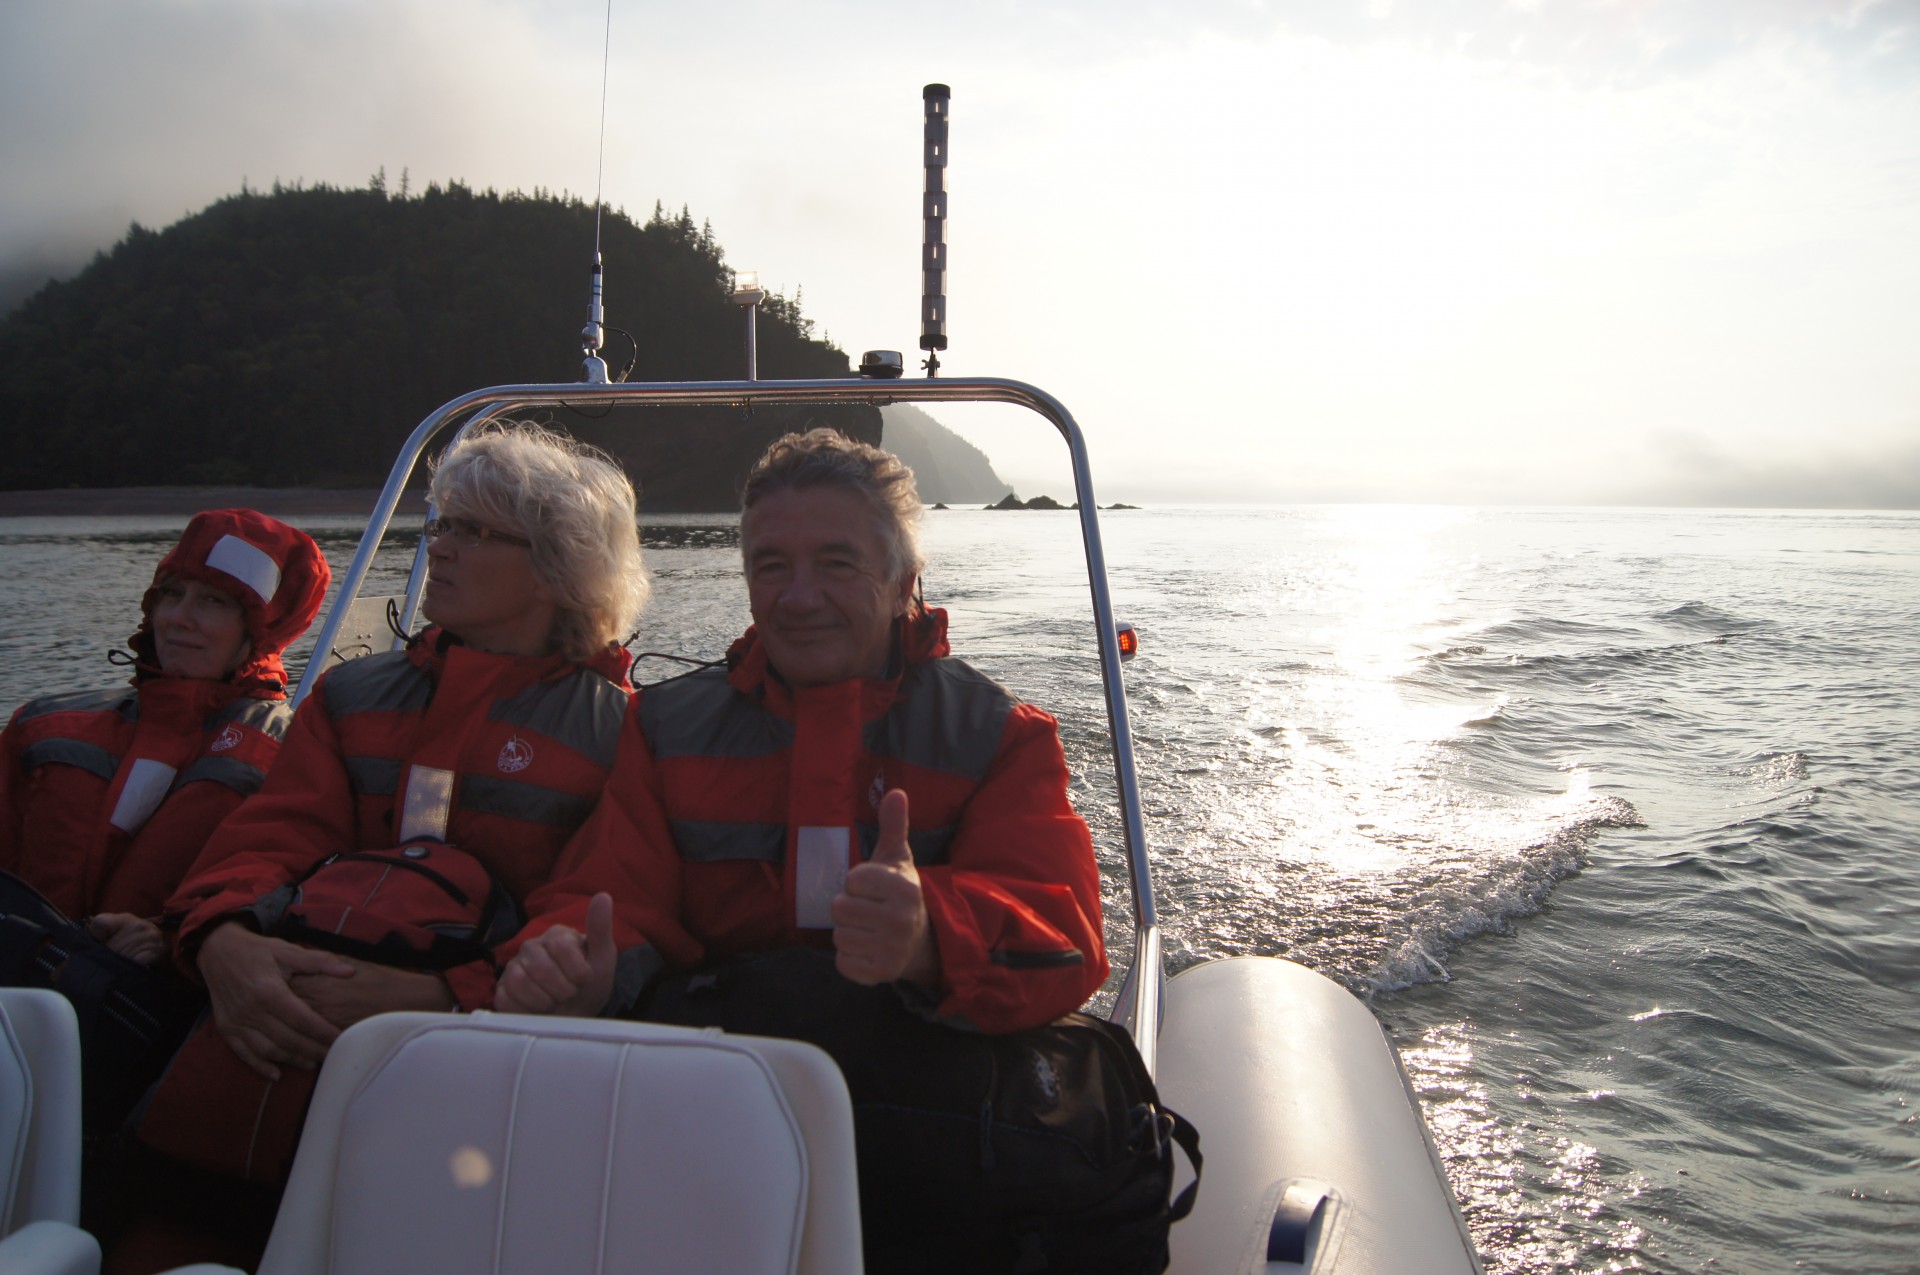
(67, 502)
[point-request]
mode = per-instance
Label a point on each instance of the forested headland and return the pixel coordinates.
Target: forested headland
(295, 337)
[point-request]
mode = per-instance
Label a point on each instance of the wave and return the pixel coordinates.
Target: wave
(1704, 617)
(1543, 628)
(1576, 666)
(1490, 898)
(1774, 770)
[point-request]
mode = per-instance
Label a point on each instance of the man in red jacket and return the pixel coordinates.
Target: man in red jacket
(840, 784)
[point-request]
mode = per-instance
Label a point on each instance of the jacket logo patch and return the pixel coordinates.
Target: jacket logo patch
(515, 755)
(876, 790)
(229, 738)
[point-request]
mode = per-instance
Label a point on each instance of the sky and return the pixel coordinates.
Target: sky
(1462, 251)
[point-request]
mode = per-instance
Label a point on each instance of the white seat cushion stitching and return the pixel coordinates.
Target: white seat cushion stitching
(16, 1069)
(506, 1156)
(606, 1168)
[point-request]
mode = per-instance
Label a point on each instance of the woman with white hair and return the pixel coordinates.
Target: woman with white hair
(492, 732)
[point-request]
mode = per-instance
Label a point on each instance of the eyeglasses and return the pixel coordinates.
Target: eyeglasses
(470, 533)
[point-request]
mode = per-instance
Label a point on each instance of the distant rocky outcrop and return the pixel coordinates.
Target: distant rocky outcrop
(1044, 502)
(946, 467)
(1038, 502)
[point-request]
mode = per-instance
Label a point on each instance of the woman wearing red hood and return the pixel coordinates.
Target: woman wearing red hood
(106, 797)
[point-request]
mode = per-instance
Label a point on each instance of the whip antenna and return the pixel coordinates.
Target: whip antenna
(933, 212)
(594, 368)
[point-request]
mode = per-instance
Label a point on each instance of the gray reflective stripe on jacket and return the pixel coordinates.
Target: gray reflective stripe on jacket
(479, 794)
(700, 715)
(707, 841)
(582, 711)
(238, 775)
(949, 718)
(70, 752)
(268, 716)
(123, 699)
(485, 795)
(385, 683)
(929, 845)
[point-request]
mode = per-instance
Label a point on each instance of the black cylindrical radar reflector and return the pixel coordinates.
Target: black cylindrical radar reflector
(933, 211)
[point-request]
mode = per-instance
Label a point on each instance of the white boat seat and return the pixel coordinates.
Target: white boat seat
(39, 1108)
(40, 1137)
(523, 1145)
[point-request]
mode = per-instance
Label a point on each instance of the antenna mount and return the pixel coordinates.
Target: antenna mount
(933, 212)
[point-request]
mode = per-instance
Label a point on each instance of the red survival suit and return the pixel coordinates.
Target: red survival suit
(738, 804)
(501, 755)
(106, 797)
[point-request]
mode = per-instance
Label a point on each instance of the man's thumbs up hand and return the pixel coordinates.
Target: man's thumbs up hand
(880, 928)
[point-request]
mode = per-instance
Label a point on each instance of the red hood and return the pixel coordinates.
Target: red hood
(277, 572)
(918, 637)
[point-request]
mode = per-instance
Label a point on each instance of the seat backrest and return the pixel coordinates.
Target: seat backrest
(515, 1144)
(39, 1108)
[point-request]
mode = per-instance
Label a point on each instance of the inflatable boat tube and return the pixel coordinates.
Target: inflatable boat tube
(1317, 1158)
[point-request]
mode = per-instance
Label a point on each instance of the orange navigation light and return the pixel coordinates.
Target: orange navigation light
(1128, 639)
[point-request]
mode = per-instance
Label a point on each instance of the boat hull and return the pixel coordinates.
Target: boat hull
(1300, 1098)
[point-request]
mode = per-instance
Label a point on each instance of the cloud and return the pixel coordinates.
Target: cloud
(1691, 469)
(1624, 42)
(116, 112)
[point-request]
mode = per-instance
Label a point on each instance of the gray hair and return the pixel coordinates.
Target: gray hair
(827, 458)
(576, 506)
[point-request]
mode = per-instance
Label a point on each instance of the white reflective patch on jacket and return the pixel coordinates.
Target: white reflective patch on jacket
(428, 802)
(148, 782)
(820, 872)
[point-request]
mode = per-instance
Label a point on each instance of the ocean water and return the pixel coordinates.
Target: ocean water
(1612, 815)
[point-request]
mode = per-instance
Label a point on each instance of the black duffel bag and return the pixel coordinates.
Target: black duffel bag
(132, 1016)
(1045, 1150)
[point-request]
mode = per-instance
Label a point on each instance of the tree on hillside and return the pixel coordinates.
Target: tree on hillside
(296, 337)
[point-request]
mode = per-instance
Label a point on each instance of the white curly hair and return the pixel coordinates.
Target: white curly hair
(576, 506)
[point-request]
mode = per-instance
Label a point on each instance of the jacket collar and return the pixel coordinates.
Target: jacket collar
(261, 676)
(918, 638)
(430, 649)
